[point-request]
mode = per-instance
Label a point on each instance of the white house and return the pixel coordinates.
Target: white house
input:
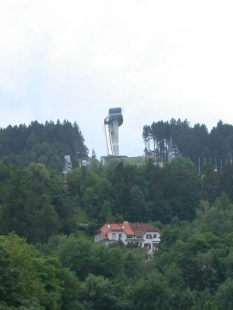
(144, 235)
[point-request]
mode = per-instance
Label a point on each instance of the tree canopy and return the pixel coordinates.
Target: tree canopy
(195, 142)
(42, 143)
(48, 260)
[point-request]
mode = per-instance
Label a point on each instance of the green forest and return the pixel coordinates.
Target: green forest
(202, 147)
(42, 143)
(48, 260)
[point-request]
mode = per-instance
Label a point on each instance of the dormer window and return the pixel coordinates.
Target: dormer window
(148, 236)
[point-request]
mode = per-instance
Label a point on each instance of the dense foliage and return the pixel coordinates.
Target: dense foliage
(48, 260)
(138, 193)
(42, 143)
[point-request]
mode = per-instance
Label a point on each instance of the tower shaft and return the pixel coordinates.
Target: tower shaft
(115, 138)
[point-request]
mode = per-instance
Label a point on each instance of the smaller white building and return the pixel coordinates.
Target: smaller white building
(143, 235)
(68, 164)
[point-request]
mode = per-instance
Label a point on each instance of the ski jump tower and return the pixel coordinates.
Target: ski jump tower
(111, 124)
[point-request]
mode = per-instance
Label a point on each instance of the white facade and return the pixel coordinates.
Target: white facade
(151, 241)
(148, 241)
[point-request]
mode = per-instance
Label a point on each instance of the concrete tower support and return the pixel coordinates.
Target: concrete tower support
(115, 138)
(112, 123)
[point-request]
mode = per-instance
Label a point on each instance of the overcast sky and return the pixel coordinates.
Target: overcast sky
(156, 59)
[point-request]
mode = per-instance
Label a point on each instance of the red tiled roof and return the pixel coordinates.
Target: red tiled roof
(140, 228)
(130, 229)
(110, 227)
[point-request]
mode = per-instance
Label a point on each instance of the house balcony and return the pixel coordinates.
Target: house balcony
(134, 240)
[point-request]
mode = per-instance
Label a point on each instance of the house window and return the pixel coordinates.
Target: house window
(114, 236)
(154, 246)
(120, 236)
(155, 236)
(148, 236)
(147, 246)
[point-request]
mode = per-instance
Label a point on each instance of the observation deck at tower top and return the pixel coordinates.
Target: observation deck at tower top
(114, 114)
